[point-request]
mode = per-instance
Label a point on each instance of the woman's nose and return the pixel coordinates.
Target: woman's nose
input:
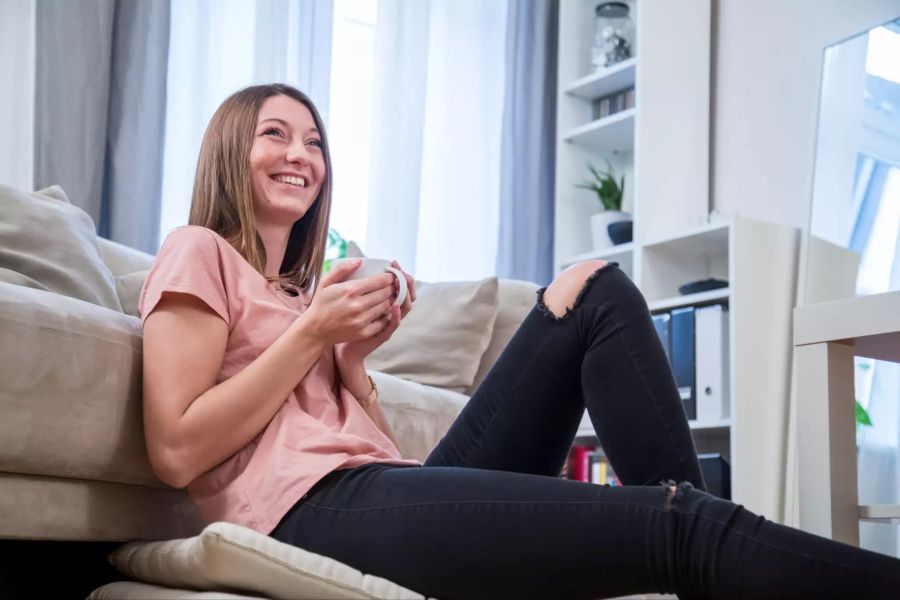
(298, 153)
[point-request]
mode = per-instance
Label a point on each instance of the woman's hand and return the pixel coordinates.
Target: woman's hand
(342, 311)
(350, 356)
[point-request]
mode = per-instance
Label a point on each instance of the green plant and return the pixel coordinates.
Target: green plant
(608, 190)
(334, 249)
(862, 417)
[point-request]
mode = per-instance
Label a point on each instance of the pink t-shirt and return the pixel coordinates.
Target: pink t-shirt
(319, 428)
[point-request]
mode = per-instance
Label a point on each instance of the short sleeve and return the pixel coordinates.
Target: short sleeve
(188, 262)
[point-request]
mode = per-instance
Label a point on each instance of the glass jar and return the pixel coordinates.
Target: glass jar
(614, 38)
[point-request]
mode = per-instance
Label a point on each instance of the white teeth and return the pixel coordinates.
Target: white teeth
(291, 180)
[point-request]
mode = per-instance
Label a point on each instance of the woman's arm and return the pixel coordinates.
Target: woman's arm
(191, 423)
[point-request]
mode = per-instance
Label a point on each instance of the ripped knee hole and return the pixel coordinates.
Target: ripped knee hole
(674, 492)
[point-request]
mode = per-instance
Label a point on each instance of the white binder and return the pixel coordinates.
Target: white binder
(711, 361)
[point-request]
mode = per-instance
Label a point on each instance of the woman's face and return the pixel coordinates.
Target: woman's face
(287, 165)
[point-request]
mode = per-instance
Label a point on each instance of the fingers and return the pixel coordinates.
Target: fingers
(340, 271)
(367, 285)
(377, 310)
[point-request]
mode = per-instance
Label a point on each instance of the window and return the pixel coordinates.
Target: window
(349, 127)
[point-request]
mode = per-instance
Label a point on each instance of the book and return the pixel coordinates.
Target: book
(662, 322)
(683, 357)
(578, 462)
(711, 328)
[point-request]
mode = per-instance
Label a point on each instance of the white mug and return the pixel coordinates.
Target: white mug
(374, 266)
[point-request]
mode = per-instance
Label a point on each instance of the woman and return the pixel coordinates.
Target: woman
(257, 399)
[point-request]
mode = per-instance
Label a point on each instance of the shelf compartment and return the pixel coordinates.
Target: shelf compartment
(668, 263)
(698, 299)
(614, 133)
(604, 82)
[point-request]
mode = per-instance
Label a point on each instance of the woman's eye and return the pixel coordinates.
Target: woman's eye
(272, 130)
(316, 142)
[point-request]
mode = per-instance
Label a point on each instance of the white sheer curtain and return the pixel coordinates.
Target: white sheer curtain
(17, 47)
(219, 46)
(434, 179)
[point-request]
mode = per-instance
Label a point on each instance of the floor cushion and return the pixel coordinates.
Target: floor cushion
(135, 590)
(230, 558)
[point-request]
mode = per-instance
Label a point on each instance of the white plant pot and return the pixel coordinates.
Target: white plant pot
(599, 231)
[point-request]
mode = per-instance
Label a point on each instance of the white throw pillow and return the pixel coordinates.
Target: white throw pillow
(441, 341)
(49, 244)
(230, 558)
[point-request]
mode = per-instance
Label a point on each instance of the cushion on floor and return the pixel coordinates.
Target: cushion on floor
(228, 557)
(135, 590)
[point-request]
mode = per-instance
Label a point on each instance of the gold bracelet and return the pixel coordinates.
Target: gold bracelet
(373, 395)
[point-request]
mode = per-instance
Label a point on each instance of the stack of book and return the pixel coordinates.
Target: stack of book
(587, 463)
(610, 105)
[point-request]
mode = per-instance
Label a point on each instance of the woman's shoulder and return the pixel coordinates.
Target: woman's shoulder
(194, 235)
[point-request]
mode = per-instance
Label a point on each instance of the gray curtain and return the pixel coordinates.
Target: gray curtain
(529, 142)
(100, 97)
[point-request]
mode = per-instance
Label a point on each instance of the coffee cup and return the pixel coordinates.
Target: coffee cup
(375, 266)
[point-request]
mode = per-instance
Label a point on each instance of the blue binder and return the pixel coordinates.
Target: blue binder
(661, 321)
(683, 354)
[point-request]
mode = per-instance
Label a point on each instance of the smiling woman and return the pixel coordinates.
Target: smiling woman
(261, 405)
(280, 227)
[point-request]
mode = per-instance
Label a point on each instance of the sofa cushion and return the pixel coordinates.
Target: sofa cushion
(122, 259)
(516, 299)
(419, 415)
(231, 558)
(441, 341)
(52, 245)
(129, 289)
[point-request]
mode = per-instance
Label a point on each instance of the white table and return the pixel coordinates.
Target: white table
(826, 338)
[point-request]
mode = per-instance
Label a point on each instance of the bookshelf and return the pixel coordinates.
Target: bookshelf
(662, 148)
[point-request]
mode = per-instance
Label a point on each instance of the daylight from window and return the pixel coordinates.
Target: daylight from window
(353, 45)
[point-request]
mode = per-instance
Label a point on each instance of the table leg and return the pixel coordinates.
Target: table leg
(826, 438)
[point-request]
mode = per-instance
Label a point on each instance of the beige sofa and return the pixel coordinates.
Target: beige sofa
(73, 465)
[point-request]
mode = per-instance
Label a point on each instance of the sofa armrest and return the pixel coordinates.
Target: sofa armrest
(70, 389)
(419, 415)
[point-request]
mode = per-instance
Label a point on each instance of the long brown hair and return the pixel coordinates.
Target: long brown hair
(223, 196)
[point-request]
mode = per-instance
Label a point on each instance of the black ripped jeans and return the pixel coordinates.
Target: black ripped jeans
(488, 517)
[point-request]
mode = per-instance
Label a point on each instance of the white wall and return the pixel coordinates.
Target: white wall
(766, 75)
(17, 18)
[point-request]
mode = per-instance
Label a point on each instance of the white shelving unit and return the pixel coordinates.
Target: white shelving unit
(662, 148)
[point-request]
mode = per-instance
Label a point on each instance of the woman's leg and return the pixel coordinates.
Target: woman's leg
(456, 532)
(603, 353)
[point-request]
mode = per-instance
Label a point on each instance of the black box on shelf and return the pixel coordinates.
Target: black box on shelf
(717, 474)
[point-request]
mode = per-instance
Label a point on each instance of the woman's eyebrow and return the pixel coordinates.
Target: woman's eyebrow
(285, 123)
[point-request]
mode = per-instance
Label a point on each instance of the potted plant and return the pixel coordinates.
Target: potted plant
(610, 226)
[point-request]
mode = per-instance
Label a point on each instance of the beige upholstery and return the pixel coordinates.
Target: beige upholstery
(135, 590)
(73, 464)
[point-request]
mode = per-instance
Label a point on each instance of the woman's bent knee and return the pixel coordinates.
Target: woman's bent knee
(562, 294)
